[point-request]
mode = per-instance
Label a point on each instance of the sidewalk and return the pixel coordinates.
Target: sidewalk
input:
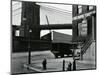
(85, 64)
(52, 65)
(57, 65)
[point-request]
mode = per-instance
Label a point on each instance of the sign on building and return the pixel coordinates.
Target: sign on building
(82, 27)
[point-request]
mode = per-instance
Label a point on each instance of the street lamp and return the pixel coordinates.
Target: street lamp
(29, 51)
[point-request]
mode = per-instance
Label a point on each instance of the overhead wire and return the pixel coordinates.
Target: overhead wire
(16, 14)
(60, 12)
(17, 9)
(51, 7)
(16, 4)
(55, 8)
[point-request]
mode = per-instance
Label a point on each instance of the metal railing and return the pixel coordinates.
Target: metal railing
(86, 45)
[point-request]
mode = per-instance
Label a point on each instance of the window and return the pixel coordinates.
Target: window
(17, 33)
(90, 7)
(79, 29)
(79, 9)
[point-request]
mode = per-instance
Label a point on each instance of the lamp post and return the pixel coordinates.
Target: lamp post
(29, 51)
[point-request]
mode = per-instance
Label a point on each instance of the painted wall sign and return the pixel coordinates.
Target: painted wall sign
(82, 16)
(82, 27)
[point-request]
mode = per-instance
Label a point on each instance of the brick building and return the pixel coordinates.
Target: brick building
(84, 29)
(84, 22)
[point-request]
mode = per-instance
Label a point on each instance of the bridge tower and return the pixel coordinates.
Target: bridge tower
(30, 20)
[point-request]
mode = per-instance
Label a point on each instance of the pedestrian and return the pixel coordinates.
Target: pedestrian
(63, 65)
(44, 64)
(74, 64)
(69, 66)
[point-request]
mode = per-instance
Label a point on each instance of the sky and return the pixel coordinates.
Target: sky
(60, 6)
(64, 17)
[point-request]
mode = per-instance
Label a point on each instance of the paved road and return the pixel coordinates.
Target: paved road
(18, 59)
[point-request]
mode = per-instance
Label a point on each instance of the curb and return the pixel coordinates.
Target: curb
(32, 68)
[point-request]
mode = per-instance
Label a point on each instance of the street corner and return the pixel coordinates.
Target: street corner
(49, 65)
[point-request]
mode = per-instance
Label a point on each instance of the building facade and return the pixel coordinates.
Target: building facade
(84, 22)
(84, 29)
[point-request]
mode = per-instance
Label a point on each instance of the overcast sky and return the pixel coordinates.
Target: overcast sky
(66, 18)
(16, 18)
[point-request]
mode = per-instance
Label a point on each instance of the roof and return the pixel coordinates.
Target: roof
(59, 37)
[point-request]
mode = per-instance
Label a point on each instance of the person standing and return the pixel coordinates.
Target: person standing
(63, 65)
(44, 64)
(69, 66)
(74, 65)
